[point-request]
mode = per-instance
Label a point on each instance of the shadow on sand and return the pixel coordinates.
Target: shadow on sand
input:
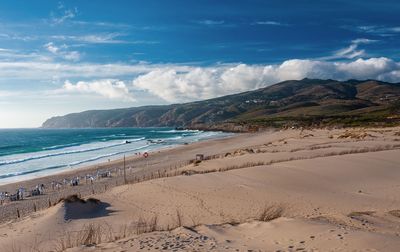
(77, 208)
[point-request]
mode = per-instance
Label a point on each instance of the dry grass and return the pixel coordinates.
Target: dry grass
(360, 213)
(312, 148)
(179, 218)
(395, 213)
(270, 213)
(89, 235)
(233, 222)
(195, 220)
(93, 234)
(15, 248)
(75, 198)
(260, 163)
(144, 225)
(354, 135)
(245, 165)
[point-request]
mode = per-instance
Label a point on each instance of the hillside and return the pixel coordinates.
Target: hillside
(307, 101)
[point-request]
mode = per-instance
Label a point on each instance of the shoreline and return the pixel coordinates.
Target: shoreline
(39, 174)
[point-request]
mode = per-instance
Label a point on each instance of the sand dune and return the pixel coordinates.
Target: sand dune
(319, 190)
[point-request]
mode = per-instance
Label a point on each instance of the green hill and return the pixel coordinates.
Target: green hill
(304, 102)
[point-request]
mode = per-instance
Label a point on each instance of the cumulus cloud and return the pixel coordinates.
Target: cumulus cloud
(109, 88)
(62, 52)
(202, 83)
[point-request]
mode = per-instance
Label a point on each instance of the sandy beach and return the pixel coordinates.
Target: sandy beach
(288, 190)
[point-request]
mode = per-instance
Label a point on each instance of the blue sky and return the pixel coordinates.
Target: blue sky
(58, 57)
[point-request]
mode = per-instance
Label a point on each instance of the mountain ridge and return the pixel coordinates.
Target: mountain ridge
(308, 99)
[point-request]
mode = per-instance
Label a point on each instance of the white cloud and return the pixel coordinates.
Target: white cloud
(210, 22)
(352, 51)
(363, 41)
(64, 15)
(394, 29)
(51, 48)
(102, 24)
(179, 83)
(377, 30)
(101, 39)
(201, 83)
(14, 36)
(105, 38)
(6, 93)
(269, 22)
(109, 88)
(62, 52)
(72, 55)
(373, 68)
(201, 76)
(16, 55)
(47, 70)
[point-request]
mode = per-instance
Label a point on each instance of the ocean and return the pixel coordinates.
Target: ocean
(30, 153)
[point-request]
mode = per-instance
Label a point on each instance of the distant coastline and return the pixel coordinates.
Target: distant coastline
(297, 103)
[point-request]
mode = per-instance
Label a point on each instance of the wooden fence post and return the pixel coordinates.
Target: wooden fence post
(124, 170)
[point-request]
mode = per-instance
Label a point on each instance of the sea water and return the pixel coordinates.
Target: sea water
(29, 153)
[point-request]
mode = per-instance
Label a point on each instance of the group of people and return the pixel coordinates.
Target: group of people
(21, 193)
(39, 189)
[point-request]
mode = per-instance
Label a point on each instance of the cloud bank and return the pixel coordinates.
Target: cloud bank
(181, 83)
(197, 83)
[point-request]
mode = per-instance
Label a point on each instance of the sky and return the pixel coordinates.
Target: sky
(59, 57)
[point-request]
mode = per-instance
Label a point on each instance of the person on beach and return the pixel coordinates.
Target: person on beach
(2, 197)
(20, 194)
(58, 186)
